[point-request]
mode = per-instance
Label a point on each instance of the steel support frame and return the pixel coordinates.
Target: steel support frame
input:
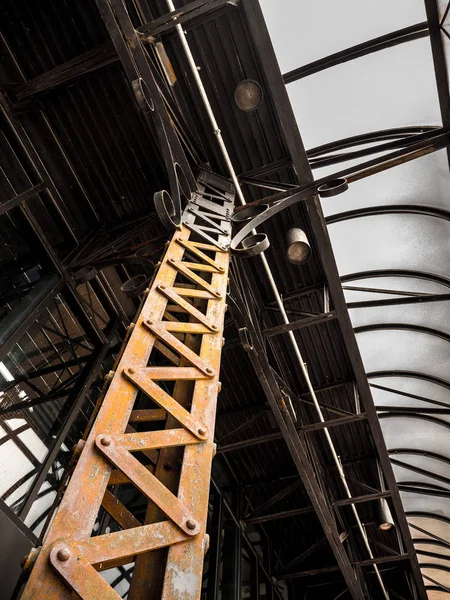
(66, 558)
(36, 166)
(296, 443)
(74, 403)
(294, 143)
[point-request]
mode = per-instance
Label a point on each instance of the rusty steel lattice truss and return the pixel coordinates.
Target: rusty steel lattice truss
(176, 405)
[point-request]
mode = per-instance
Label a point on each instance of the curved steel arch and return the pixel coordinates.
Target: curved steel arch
(434, 566)
(420, 470)
(406, 273)
(418, 416)
(431, 543)
(409, 375)
(403, 327)
(401, 273)
(427, 515)
(395, 138)
(370, 211)
(433, 455)
(372, 136)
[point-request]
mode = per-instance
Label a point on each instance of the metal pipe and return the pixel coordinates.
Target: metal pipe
(274, 287)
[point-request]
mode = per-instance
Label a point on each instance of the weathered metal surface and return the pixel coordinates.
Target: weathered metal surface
(67, 557)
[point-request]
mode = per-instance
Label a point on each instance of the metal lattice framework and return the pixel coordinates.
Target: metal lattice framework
(183, 322)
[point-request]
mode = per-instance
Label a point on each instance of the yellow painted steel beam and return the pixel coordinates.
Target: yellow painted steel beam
(175, 421)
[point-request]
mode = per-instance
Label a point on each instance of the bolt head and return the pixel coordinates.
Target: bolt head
(149, 322)
(105, 440)
(131, 371)
(190, 524)
(63, 554)
(209, 371)
(162, 287)
(214, 328)
(202, 431)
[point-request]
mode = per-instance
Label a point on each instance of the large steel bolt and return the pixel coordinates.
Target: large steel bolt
(63, 554)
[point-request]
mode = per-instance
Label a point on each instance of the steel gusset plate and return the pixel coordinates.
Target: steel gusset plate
(148, 96)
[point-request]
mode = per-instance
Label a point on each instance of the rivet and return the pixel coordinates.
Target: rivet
(63, 554)
(202, 431)
(131, 371)
(219, 387)
(209, 370)
(217, 294)
(105, 440)
(149, 322)
(162, 287)
(190, 524)
(214, 328)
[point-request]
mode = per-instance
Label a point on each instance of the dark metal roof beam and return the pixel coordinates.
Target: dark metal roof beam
(334, 422)
(400, 36)
(360, 563)
(81, 65)
(301, 324)
(287, 514)
(272, 437)
(274, 499)
(263, 411)
(301, 557)
(179, 16)
(23, 197)
(359, 499)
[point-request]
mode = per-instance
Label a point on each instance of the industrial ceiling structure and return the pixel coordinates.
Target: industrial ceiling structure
(307, 143)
